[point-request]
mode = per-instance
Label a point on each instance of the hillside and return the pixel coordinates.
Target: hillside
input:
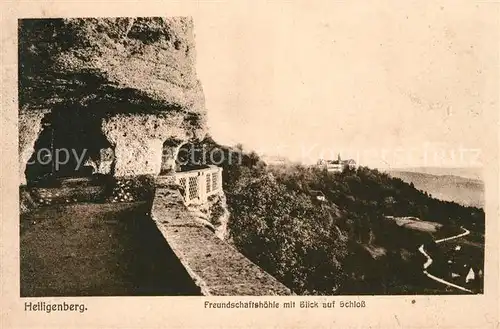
(475, 173)
(463, 190)
(342, 244)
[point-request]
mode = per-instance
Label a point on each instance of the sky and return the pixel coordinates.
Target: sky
(404, 85)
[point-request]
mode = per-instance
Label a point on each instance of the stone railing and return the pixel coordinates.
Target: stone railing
(197, 185)
(215, 266)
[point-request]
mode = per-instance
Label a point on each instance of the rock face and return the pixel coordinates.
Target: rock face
(102, 162)
(133, 78)
(26, 202)
(218, 214)
(30, 125)
(139, 139)
(214, 214)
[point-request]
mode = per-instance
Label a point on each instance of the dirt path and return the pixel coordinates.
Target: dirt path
(429, 261)
(91, 249)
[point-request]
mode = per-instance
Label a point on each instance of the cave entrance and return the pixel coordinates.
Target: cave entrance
(69, 138)
(181, 157)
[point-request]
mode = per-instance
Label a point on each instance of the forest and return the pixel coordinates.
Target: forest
(343, 244)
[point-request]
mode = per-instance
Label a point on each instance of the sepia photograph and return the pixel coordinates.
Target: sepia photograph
(249, 164)
(130, 185)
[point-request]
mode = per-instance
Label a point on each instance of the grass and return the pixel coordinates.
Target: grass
(419, 225)
(90, 249)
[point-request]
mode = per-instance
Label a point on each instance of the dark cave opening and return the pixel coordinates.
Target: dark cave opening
(67, 140)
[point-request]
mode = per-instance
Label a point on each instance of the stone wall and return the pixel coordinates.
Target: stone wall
(215, 266)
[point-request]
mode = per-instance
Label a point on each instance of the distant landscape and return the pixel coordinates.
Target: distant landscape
(358, 231)
(462, 185)
(470, 172)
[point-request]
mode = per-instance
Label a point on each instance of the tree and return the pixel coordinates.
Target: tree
(286, 234)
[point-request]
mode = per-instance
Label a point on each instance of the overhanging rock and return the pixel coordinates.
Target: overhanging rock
(135, 75)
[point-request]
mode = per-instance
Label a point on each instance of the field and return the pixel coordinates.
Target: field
(413, 223)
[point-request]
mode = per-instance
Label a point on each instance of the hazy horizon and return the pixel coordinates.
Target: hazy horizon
(406, 88)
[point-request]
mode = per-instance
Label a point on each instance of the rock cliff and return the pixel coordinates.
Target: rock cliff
(214, 214)
(132, 80)
(30, 125)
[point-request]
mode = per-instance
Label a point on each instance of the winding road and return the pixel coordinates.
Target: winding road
(429, 261)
